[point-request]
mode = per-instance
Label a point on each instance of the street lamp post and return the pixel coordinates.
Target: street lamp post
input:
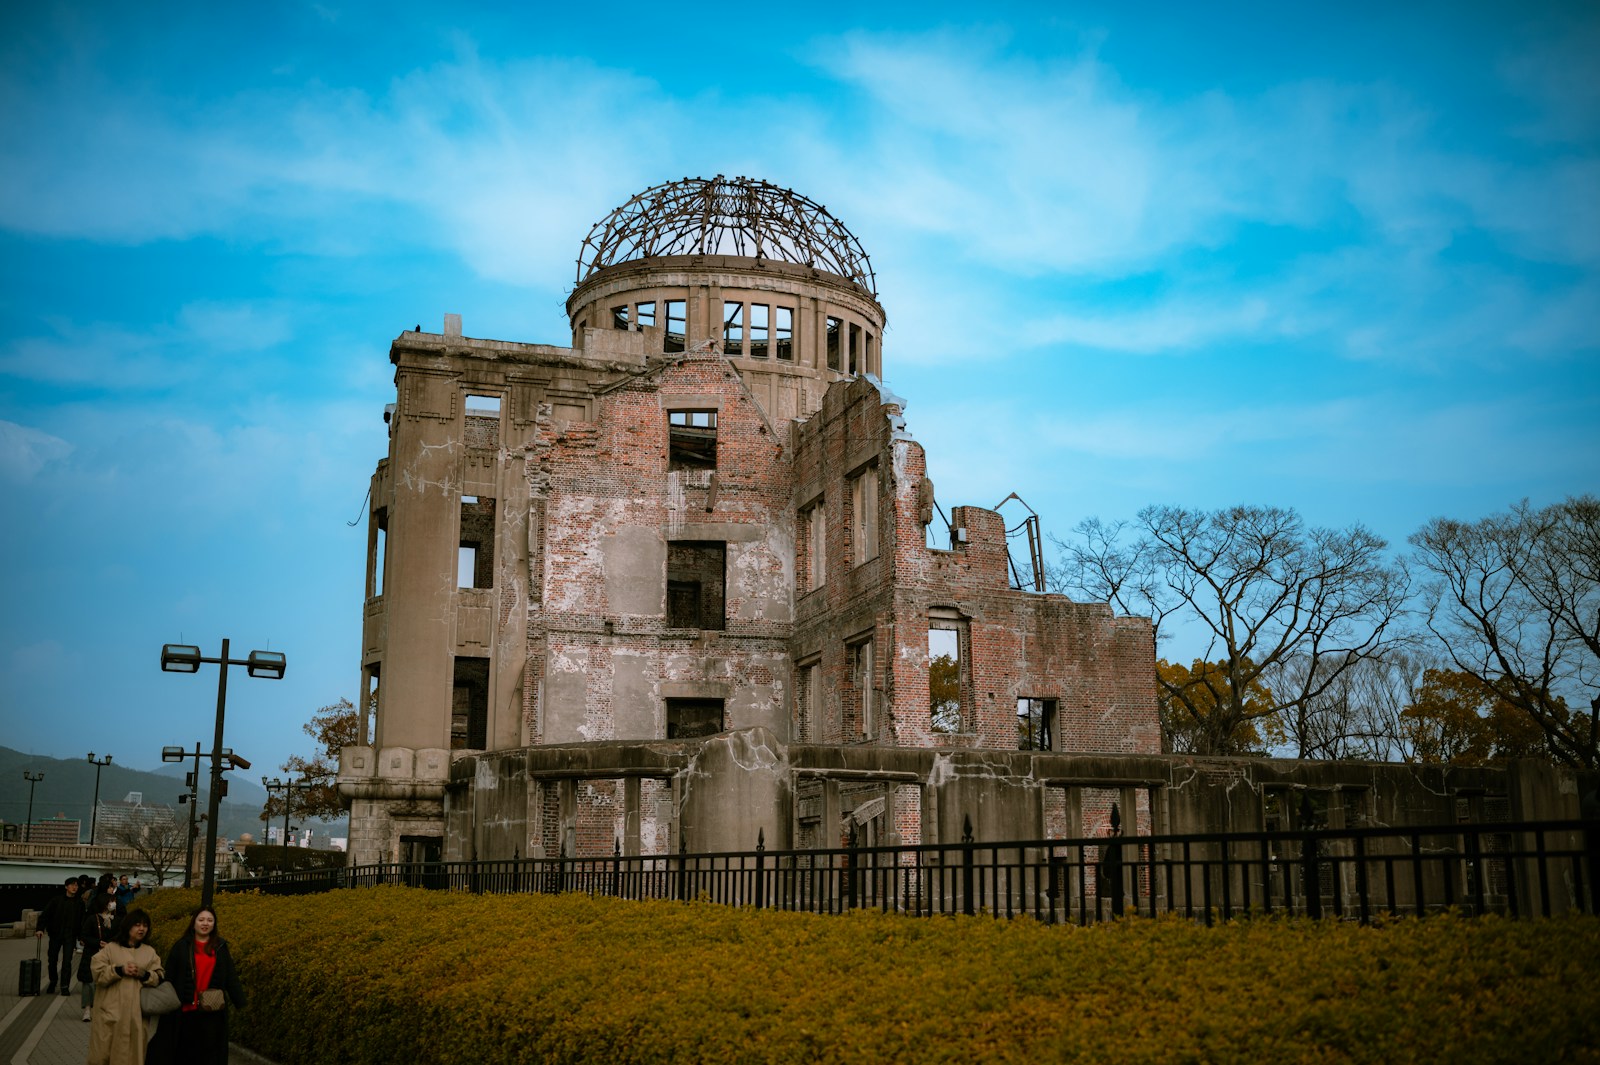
(288, 787)
(94, 812)
(185, 658)
(32, 778)
(178, 754)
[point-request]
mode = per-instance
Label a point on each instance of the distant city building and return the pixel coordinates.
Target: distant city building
(113, 816)
(57, 829)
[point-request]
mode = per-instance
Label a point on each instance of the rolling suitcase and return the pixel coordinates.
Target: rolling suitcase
(28, 973)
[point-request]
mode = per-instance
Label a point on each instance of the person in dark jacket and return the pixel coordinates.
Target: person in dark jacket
(61, 919)
(93, 934)
(199, 961)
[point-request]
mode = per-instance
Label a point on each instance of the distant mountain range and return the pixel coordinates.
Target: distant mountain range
(68, 789)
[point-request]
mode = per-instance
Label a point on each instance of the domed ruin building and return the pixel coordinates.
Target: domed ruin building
(680, 583)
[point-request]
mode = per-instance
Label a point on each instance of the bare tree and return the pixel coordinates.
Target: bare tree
(158, 835)
(1261, 587)
(1361, 715)
(1516, 604)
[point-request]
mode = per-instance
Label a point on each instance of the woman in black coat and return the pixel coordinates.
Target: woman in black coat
(199, 961)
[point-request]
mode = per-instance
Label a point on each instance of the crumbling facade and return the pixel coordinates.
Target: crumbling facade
(705, 518)
(681, 586)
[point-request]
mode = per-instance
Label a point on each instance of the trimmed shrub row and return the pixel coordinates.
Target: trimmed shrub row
(396, 974)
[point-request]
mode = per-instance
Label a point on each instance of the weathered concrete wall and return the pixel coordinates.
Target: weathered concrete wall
(728, 790)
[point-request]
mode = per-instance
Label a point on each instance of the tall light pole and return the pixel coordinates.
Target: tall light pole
(185, 658)
(94, 812)
(192, 781)
(32, 778)
(288, 788)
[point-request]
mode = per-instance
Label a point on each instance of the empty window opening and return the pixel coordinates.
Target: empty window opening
(368, 719)
(619, 317)
(857, 363)
(469, 705)
(760, 325)
(377, 550)
(783, 333)
(834, 325)
(692, 439)
(809, 703)
(646, 315)
(695, 581)
(475, 555)
(482, 421)
(1036, 723)
(814, 529)
(863, 678)
(677, 326)
(689, 719)
(944, 677)
(870, 356)
(864, 515)
(733, 328)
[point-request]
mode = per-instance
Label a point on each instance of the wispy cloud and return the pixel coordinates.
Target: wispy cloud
(25, 451)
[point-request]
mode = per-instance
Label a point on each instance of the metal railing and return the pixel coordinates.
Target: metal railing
(1523, 869)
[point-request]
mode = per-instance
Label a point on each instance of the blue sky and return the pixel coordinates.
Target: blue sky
(1337, 258)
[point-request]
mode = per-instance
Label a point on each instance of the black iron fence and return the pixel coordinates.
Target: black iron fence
(1523, 869)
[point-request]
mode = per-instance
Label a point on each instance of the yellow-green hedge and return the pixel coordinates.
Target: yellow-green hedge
(395, 974)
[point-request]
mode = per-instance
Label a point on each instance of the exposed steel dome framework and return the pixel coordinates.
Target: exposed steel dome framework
(726, 216)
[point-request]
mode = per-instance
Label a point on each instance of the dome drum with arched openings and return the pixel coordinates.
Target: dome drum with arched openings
(740, 216)
(765, 275)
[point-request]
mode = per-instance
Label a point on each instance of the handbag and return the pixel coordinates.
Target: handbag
(211, 999)
(159, 1000)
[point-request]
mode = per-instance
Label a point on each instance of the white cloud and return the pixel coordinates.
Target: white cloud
(25, 451)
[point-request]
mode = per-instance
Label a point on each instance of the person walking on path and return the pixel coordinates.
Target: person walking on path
(61, 919)
(124, 894)
(202, 971)
(117, 1033)
(92, 935)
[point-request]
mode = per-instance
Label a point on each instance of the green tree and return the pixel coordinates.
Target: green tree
(333, 727)
(1455, 719)
(1199, 712)
(944, 693)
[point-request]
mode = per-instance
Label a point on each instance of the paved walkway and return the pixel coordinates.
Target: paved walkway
(49, 1029)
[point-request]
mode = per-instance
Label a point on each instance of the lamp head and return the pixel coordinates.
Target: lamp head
(180, 658)
(268, 664)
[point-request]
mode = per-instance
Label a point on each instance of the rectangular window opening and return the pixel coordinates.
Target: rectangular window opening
(677, 326)
(864, 515)
(619, 317)
(475, 552)
(863, 677)
(692, 440)
(1036, 722)
(469, 706)
(482, 421)
(856, 361)
(810, 702)
(377, 550)
(834, 325)
(646, 315)
(759, 325)
(696, 579)
(733, 328)
(944, 678)
(783, 333)
(815, 528)
(689, 719)
(369, 715)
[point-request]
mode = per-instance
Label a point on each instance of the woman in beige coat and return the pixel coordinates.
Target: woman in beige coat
(117, 1033)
